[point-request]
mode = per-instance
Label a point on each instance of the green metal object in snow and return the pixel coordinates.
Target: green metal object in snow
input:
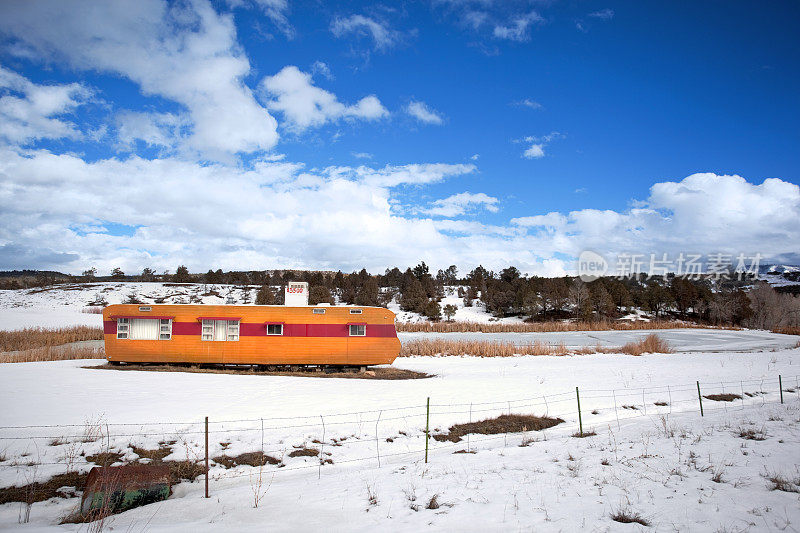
(114, 489)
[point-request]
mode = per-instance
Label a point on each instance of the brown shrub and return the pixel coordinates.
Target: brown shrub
(29, 338)
(650, 344)
(501, 424)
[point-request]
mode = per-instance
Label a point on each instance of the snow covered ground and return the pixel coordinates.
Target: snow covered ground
(661, 458)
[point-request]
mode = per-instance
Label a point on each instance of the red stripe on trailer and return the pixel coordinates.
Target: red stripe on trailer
(251, 329)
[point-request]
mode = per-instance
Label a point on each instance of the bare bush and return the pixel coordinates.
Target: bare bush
(650, 344)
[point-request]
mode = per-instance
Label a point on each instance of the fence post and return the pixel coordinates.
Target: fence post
(700, 397)
(580, 419)
(780, 386)
(427, 426)
(206, 457)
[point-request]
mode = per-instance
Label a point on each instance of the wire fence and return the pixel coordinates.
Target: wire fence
(379, 436)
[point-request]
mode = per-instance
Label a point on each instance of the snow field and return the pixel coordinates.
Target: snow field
(126, 408)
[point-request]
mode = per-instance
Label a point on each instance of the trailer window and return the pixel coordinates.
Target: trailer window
(355, 311)
(122, 328)
(220, 330)
(318, 311)
(274, 329)
(358, 330)
(165, 329)
(144, 329)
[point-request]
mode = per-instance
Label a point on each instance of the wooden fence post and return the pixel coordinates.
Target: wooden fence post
(700, 397)
(206, 457)
(427, 426)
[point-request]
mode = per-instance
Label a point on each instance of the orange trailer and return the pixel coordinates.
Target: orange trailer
(250, 334)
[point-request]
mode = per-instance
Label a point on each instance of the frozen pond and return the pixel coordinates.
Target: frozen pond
(681, 340)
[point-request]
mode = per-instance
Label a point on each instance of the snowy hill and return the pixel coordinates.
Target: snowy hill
(78, 304)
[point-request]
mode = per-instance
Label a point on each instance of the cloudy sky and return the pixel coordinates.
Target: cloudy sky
(260, 134)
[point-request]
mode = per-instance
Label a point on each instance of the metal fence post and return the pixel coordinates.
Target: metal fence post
(206, 457)
(780, 386)
(427, 426)
(700, 397)
(580, 419)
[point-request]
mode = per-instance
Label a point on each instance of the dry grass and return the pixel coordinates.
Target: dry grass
(41, 491)
(626, 516)
(543, 327)
(726, 397)
(445, 347)
(448, 347)
(304, 452)
(249, 458)
(53, 353)
(29, 338)
(501, 424)
(783, 483)
(650, 344)
(788, 330)
(374, 373)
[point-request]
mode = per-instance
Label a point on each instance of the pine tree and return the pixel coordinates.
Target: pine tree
(265, 296)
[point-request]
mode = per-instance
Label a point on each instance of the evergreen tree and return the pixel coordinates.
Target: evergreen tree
(265, 296)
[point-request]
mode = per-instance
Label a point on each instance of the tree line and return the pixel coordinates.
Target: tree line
(739, 302)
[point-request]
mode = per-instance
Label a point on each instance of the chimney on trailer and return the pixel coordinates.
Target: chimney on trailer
(296, 294)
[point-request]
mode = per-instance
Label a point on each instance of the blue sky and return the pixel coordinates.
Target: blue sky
(267, 134)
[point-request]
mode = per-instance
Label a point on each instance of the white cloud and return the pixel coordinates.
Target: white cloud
(346, 217)
(381, 34)
(361, 155)
(536, 149)
(185, 53)
(421, 112)
(304, 105)
(320, 67)
(475, 157)
(529, 103)
(461, 203)
(704, 213)
(603, 14)
(518, 28)
(267, 210)
(154, 129)
(28, 111)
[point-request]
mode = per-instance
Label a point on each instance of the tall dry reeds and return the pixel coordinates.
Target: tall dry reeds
(446, 347)
(650, 344)
(30, 338)
(53, 353)
(541, 327)
(449, 347)
(787, 330)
